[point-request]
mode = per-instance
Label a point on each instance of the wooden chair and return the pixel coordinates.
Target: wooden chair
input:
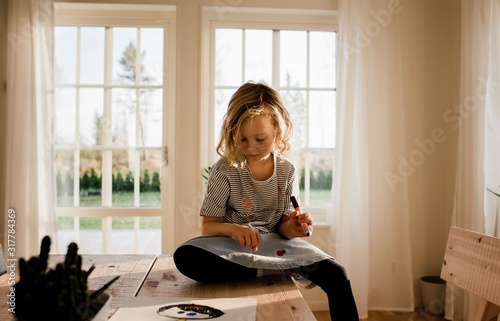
(472, 262)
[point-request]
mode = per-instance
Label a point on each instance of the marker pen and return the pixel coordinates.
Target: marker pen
(297, 207)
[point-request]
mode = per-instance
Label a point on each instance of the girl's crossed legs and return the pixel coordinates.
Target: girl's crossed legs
(204, 266)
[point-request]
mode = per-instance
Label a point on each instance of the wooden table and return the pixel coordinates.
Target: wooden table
(149, 275)
(277, 299)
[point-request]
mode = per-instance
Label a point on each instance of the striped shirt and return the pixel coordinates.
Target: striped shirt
(236, 197)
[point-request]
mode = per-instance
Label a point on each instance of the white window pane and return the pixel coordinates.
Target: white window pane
(258, 55)
(65, 115)
(222, 97)
(91, 116)
(65, 39)
(150, 235)
(228, 57)
(152, 56)
(150, 131)
(293, 57)
(150, 195)
(92, 55)
(90, 178)
(320, 176)
(124, 55)
(124, 117)
(120, 237)
(295, 102)
(323, 59)
(92, 234)
(123, 178)
(322, 119)
(64, 163)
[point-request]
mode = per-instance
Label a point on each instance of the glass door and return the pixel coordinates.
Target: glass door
(111, 151)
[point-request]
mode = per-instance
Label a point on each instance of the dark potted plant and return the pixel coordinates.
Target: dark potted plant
(58, 293)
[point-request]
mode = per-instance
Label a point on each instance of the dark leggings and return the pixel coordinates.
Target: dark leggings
(203, 266)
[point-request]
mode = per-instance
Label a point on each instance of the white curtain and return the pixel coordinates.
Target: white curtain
(478, 121)
(492, 124)
(29, 177)
(371, 214)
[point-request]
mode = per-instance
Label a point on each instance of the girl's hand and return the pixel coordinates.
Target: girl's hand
(248, 236)
(299, 222)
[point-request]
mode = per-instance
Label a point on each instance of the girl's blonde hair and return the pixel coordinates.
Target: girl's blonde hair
(250, 100)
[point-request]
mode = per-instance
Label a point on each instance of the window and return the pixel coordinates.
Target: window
(112, 88)
(296, 54)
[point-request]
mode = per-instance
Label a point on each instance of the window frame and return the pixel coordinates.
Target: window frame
(134, 15)
(249, 18)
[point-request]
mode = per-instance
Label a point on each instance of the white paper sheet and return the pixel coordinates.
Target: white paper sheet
(180, 308)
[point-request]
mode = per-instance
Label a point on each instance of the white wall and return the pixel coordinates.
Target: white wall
(431, 84)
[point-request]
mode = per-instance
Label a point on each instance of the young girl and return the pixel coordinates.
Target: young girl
(250, 227)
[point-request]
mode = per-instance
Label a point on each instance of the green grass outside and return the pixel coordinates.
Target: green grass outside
(148, 199)
(119, 199)
(319, 197)
(118, 223)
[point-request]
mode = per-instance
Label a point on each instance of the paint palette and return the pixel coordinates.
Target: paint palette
(189, 311)
(181, 308)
